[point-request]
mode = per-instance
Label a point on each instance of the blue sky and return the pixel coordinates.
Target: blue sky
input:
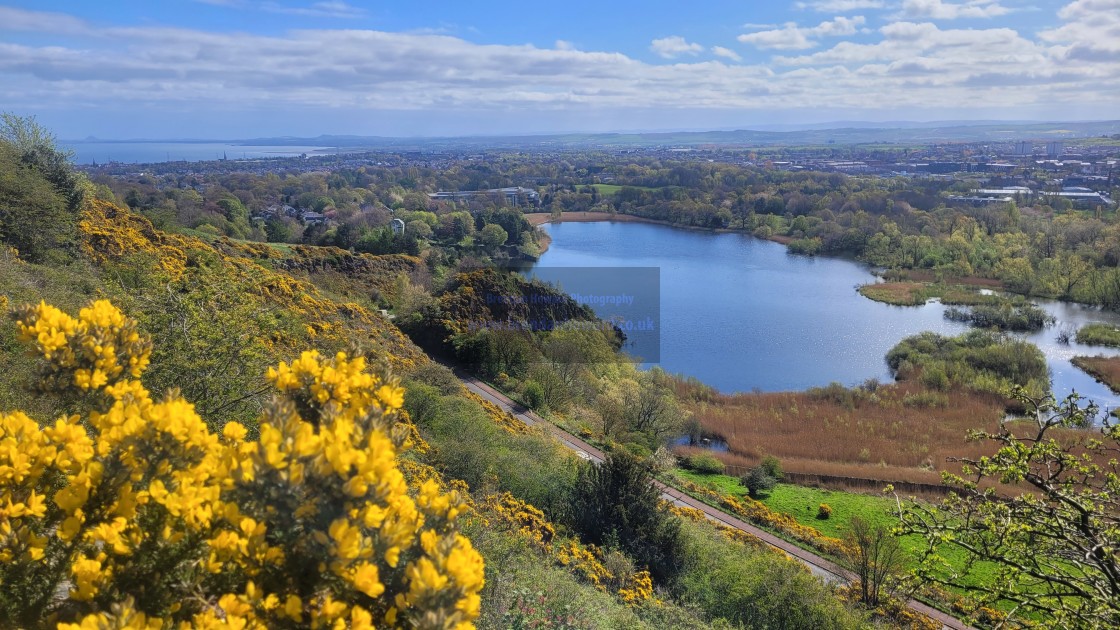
(246, 68)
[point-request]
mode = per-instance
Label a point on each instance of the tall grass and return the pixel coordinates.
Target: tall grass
(1098, 334)
(874, 435)
(1104, 369)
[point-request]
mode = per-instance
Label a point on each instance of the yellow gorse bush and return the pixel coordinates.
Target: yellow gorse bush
(139, 516)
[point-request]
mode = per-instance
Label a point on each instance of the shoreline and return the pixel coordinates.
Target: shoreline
(537, 219)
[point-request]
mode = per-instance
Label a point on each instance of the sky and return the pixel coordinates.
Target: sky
(233, 69)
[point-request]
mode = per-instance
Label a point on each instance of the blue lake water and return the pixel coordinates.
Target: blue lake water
(145, 152)
(740, 313)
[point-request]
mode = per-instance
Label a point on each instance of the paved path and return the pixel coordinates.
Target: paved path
(819, 566)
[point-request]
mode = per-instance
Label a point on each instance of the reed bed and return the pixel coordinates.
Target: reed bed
(898, 432)
(1104, 369)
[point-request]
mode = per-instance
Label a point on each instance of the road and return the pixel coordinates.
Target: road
(819, 566)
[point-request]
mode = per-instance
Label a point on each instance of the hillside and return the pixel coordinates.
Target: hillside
(220, 314)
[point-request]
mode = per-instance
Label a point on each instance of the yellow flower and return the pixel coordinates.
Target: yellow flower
(366, 580)
(234, 431)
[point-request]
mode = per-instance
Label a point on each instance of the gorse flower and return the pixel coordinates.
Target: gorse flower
(140, 516)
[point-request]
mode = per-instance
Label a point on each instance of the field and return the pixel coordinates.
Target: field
(1104, 369)
(610, 189)
(538, 218)
(801, 503)
(901, 432)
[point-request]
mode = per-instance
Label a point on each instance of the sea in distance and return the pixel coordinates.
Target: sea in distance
(742, 314)
(147, 152)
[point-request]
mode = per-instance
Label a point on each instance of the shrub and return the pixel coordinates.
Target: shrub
(806, 246)
(926, 399)
(1099, 335)
(773, 467)
(140, 514)
(824, 512)
(1004, 316)
(616, 503)
(757, 481)
(705, 464)
(533, 395)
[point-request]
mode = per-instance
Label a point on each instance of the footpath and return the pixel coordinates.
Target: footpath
(821, 567)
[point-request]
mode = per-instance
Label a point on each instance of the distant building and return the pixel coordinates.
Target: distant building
(513, 194)
(1054, 149)
(397, 226)
(313, 218)
(1024, 148)
(985, 196)
(1083, 199)
(977, 200)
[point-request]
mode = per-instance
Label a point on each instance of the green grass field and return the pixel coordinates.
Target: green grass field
(801, 503)
(611, 189)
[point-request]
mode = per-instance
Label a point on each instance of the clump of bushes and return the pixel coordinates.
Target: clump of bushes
(1017, 316)
(764, 477)
(533, 395)
(757, 482)
(849, 398)
(978, 360)
(806, 246)
(926, 400)
(824, 511)
(1099, 335)
(704, 464)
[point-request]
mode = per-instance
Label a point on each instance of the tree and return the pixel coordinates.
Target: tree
(37, 148)
(40, 194)
(757, 481)
(418, 229)
(492, 236)
(875, 556)
(651, 409)
(33, 216)
(773, 467)
(1054, 544)
(616, 504)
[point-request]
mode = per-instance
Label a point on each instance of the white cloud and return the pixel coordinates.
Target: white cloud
(12, 19)
(794, 37)
(911, 64)
(562, 44)
(326, 8)
(323, 9)
(674, 46)
(1091, 32)
(841, 6)
(940, 10)
(726, 53)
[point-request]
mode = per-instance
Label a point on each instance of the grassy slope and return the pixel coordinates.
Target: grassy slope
(801, 503)
(114, 240)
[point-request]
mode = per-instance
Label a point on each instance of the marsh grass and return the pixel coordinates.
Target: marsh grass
(1104, 369)
(911, 293)
(879, 435)
(1098, 334)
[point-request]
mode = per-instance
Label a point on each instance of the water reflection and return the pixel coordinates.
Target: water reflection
(741, 314)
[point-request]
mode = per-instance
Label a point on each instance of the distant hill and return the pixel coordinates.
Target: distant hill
(838, 133)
